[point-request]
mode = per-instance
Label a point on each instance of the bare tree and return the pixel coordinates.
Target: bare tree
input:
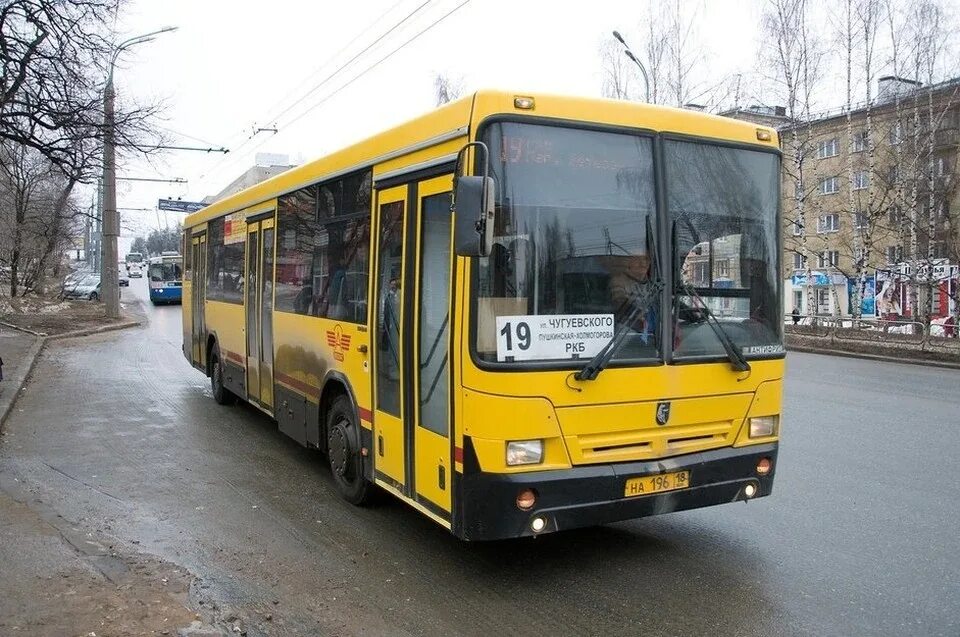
(791, 51)
(37, 214)
(682, 54)
(617, 71)
(54, 57)
(446, 89)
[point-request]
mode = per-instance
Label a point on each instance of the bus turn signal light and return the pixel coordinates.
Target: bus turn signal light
(526, 499)
(764, 466)
(764, 135)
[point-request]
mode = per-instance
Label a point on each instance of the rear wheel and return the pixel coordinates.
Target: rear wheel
(221, 394)
(343, 451)
(94, 296)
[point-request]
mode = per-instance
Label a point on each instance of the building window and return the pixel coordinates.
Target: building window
(860, 141)
(894, 254)
(823, 301)
(938, 250)
(721, 269)
(893, 175)
(797, 227)
(896, 134)
(829, 186)
(895, 216)
(798, 261)
(324, 249)
(941, 167)
(860, 256)
(861, 180)
(861, 221)
(828, 148)
(828, 259)
(828, 223)
(798, 300)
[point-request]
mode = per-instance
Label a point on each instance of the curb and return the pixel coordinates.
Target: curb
(8, 400)
(875, 357)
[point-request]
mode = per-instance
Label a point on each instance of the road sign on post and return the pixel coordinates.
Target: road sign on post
(175, 205)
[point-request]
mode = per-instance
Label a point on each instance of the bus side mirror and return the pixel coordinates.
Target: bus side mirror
(473, 216)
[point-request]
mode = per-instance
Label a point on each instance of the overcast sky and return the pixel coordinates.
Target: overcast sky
(236, 65)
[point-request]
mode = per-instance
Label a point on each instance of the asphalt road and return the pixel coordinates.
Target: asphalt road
(117, 434)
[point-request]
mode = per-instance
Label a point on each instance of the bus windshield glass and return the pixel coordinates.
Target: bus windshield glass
(134, 257)
(571, 256)
(722, 209)
(168, 271)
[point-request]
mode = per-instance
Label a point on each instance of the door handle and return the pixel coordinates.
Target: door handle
(362, 349)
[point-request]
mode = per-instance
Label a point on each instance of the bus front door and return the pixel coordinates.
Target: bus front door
(412, 383)
(258, 307)
(198, 246)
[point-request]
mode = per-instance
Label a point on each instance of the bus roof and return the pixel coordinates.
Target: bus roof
(166, 258)
(411, 142)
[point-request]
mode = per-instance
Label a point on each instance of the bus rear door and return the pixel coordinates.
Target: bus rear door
(259, 311)
(198, 294)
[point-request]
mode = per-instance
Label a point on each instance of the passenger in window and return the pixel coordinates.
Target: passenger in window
(304, 298)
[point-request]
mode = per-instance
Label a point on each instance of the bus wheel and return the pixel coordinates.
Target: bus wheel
(221, 394)
(343, 451)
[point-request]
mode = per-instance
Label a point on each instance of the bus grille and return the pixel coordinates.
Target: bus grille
(647, 444)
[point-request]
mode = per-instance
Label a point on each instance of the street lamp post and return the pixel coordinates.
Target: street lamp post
(629, 54)
(109, 270)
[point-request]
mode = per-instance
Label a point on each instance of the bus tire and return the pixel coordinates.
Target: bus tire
(343, 452)
(94, 296)
(221, 394)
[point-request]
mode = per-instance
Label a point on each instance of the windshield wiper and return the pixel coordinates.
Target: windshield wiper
(737, 361)
(642, 297)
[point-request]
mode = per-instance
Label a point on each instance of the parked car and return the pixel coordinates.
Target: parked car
(124, 279)
(87, 287)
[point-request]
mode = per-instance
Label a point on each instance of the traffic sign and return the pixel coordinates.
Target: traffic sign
(175, 205)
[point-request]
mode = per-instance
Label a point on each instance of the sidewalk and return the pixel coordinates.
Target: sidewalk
(17, 351)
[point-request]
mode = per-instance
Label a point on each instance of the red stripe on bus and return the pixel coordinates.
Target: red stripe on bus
(299, 385)
(365, 414)
(458, 454)
(234, 357)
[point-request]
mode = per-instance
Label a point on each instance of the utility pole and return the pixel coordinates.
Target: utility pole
(109, 269)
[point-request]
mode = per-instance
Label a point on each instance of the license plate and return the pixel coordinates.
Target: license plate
(656, 484)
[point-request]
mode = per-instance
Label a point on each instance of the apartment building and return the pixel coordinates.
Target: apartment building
(873, 191)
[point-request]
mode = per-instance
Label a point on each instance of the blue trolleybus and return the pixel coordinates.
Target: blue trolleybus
(165, 274)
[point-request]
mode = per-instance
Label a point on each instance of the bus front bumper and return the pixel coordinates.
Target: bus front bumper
(594, 495)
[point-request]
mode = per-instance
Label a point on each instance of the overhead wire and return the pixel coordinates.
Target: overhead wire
(365, 71)
(336, 72)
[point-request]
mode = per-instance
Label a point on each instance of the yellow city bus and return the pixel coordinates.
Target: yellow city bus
(517, 313)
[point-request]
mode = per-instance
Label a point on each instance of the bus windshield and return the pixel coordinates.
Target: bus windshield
(168, 271)
(570, 250)
(134, 257)
(722, 207)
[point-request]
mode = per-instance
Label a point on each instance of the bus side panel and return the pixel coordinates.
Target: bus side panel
(226, 322)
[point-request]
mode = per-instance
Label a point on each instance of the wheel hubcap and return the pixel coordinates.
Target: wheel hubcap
(339, 449)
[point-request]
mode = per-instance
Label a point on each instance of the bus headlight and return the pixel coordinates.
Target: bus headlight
(762, 426)
(524, 452)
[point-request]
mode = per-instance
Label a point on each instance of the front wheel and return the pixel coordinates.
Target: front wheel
(221, 394)
(343, 451)
(94, 296)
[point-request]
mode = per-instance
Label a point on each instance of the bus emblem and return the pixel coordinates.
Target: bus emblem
(338, 342)
(663, 413)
